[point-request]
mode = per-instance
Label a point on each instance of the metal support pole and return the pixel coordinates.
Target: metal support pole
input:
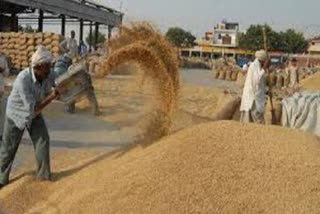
(96, 34)
(40, 21)
(81, 30)
(109, 31)
(63, 25)
(90, 36)
(13, 22)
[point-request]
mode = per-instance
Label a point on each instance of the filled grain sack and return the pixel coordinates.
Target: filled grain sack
(55, 43)
(280, 81)
(55, 49)
(39, 41)
(47, 41)
(228, 74)
(229, 107)
(222, 75)
(30, 42)
(38, 36)
(235, 75)
(301, 111)
(47, 35)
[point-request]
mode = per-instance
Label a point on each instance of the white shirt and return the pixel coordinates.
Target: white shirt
(4, 64)
(70, 47)
(254, 90)
(292, 72)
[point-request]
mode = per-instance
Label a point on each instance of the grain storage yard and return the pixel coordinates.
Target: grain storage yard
(138, 120)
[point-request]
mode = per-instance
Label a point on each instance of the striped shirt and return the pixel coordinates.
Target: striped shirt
(25, 94)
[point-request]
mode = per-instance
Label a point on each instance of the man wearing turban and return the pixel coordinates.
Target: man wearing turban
(254, 92)
(24, 106)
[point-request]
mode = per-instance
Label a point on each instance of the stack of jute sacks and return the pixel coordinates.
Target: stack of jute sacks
(20, 46)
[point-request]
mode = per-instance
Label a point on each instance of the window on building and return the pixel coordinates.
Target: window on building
(219, 36)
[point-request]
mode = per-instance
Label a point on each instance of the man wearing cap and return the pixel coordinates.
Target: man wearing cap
(254, 92)
(24, 106)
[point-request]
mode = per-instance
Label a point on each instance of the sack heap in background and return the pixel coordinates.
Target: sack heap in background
(19, 47)
(226, 69)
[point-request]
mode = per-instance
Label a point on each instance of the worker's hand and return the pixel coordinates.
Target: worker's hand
(56, 92)
(266, 64)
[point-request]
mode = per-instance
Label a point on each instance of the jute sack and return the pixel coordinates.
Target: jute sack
(47, 35)
(56, 37)
(47, 41)
(39, 41)
(55, 49)
(30, 42)
(23, 47)
(228, 74)
(235, 75)
(30, 35)
(279, 81)
(55, 43)
(227, 110)
(38, 35)
(222, 75)
(217, 74)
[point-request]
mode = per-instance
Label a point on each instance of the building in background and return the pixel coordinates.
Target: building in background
(226, 34)
(314, 46)
(222, 40)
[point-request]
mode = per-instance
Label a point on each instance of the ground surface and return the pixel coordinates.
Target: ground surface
(122, 103)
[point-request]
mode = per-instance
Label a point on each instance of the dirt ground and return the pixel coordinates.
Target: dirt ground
(124, 106)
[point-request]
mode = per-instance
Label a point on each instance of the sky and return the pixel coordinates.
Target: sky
(199, 16)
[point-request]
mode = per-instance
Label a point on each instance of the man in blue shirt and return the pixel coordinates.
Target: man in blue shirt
(25, 103)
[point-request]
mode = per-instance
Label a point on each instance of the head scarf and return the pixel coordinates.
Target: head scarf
(41, 56)
(261, 55)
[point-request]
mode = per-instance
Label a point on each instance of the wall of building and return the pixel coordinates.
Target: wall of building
(219, 35)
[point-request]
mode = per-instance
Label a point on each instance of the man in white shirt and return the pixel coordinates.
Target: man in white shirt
(254, 92)
(292, 72)
(4, 71)
(69, 46)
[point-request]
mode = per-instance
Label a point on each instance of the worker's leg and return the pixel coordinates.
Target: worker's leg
(245, 117)
(71, 108)
(40, 138)
(93, 101)
(257, 117)
(8, 149)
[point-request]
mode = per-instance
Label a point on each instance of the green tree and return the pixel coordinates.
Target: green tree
(253, 38)
(289, 41)
(27, 29)
(101, 38)
(292, 42)
(180, 38)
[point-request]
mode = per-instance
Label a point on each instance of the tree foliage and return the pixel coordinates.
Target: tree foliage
(27, 29)
(180, 38)
(101, 39)
(289, 41)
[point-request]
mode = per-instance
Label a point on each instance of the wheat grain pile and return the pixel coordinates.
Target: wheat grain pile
(220, 167)
(142, 45)
(312, 82)
(20, 46)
